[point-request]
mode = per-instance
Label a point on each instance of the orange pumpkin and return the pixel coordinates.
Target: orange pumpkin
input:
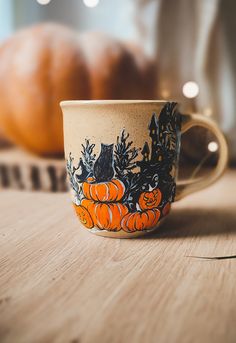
(166, 209)
(4, 143)
(149, 200)
(139, 221)
(105, 216)
(118, 70)
(104, 191)
(40, 66)
(84, 216)
(47, 63)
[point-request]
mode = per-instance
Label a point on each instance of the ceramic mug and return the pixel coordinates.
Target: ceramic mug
(122, 162)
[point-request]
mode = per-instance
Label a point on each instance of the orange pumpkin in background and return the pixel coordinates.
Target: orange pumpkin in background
(103, 191)
(118, 70)
(106, 216)
(42, 65)
(39, 67)
(84, 216)
(138, 221)
(149, 200)
(3, 141)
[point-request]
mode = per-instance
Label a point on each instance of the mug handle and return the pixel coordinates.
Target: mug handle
(187, 187)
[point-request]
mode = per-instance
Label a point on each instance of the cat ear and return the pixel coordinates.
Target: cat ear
(108, 146)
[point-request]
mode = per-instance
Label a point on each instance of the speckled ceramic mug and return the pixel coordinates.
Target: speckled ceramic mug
(122, 162)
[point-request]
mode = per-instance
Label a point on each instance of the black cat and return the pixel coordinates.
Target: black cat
(103, 167)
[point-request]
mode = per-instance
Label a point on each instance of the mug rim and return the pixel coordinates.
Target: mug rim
(65, 103)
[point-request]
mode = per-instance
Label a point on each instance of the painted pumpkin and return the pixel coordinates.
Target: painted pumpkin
(166, 209)
(105, 216)
(149, 200)
(139, 221)
(84, 216)
(110, 191)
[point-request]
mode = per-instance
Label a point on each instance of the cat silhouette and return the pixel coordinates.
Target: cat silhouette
(103, 167)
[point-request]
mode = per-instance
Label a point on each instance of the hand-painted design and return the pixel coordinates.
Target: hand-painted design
(104, 165)
(103, 191)
(84, 216)
(166, 209)
(106, 216)
(140, 220)
(118, 189)
(149, 200)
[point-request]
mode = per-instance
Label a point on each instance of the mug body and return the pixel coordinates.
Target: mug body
(122, 162)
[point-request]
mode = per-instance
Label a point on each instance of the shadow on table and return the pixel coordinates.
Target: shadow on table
(196, 222)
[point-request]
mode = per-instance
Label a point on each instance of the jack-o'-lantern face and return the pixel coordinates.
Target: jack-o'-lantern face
(149, 200)
(84, 216)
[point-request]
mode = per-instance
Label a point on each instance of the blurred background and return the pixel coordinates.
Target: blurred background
(101, 49)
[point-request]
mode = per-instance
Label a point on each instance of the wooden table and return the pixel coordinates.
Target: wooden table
(59, 283)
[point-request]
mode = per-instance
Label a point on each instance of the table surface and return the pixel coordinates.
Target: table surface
(59, 283)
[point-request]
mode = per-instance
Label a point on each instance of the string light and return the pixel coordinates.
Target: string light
(213, 146)
(91, 3)
(43, 2)
(190, 89)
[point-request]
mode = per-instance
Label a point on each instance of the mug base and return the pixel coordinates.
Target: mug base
(123, 234)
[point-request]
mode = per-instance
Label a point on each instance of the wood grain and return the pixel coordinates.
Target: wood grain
(59, 283)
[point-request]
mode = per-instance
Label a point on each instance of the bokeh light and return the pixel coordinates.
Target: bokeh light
(43, 2)
(91, 3)
(213, 146)
(190, 89)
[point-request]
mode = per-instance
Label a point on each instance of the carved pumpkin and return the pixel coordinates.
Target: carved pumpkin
(84, 216)
(149, 200)
(42, 65)
(110, 191)
(106, 216)
(166, 209)
(139, 221)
